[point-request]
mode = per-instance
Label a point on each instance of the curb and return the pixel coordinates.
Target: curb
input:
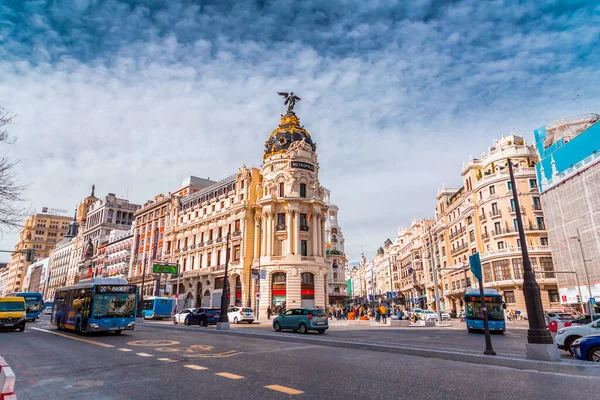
(7, 381)
(579, 368)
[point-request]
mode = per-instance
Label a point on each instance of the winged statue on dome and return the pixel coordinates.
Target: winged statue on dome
(290, 100)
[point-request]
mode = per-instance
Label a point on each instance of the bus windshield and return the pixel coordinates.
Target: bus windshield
(33, 305)
(495, 311)
(111, 305)
(11, 306)
(148, 305)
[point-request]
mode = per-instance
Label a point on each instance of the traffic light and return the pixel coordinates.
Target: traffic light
(578, 299)
(29, 255)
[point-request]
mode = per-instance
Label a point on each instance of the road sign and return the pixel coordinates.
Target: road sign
(593, 301)
(165, 268)
(258, 295)
(475, 263)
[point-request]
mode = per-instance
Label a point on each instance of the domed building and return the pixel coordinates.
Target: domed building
(275, 216)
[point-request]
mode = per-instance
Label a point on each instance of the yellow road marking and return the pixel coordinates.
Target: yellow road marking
(196, 367)
(229, 376)
(74, 338)
(125, 350)
(216, 355)
(144, 354)
(284, 389)
(165, 359)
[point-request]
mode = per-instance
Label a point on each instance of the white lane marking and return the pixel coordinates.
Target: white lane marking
(166, 360)
(196, 367)
(144, 355)
(125, 350)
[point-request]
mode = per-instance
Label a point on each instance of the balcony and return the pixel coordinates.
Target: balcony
(482, 217)
(219, 240)
(537, 207)
(495, 213)
(209, 242)
(281, 227)
(237, 233)
(457, 233)
(513, 210)
(304, 228)
(458, 249)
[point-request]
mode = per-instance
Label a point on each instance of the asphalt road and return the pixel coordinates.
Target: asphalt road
(157, 363)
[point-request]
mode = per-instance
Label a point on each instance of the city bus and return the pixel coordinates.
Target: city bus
(96, 305)
(34, 302)
(157, 308)
(495, 310)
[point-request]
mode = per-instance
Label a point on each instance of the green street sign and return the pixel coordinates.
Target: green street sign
(165, 269)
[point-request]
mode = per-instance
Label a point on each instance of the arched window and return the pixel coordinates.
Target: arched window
(278, 289)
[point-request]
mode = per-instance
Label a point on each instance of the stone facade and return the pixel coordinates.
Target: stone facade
(337, 259)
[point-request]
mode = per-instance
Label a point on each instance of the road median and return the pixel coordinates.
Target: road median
(570, 367)
(7, 381)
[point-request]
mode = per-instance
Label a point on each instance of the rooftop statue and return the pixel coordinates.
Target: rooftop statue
(290, 100)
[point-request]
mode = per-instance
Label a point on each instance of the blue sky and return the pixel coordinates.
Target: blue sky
(135, 96)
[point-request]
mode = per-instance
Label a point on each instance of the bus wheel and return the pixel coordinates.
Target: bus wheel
(470, 330)
(22, 328)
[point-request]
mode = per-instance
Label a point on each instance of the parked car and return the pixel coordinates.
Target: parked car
(582, 320)
(587, 348)
(566, 336)
(47, 311)
(203, 316)
(445, 316)
(558, 317)
(302, 320)
(179, 318)
(239, 314)
(428, 315)
(417, 312)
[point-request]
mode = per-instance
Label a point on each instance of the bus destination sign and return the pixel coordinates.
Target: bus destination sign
(116, 289)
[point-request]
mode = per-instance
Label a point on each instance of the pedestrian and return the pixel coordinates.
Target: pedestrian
(269, 312)
(377, 314)
(383, 313)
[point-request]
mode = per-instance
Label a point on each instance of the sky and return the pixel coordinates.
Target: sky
(134, 96)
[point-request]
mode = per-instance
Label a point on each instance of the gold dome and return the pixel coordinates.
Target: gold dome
(288, 131)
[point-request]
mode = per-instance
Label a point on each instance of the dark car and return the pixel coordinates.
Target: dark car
(203, 316)
(582, 320)
(587, 348)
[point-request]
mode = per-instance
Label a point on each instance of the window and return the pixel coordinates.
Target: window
(509, 296)
(303, 222)
(501, 270)
(303, 248)
(544, 241)
(547, 266)
(498, 228)
(509, 185)
(518, 268)
(303, 190)
(492, 189)
(208, 259)
(236, 252)
(512, 204)
(487, 272)
(494, 208)
(519, 243)
(219, 257)
(516, 224)
(536, 203)
(220, 232)
(237, 225)
(500, 245)
(281, 221)
(553, 296)
(281, 189)
(532, 183)
(540, 223)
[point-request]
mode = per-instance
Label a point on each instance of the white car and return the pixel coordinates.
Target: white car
(179, 318)
(445, 316)
(239, 314)
(428, 315)
(566, 336)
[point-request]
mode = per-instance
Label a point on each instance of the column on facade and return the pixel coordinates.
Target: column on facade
(297, 231)
(320, 290)
(269, 233)
(322, 243)
(263, 237)
(257, 241)
(315, 235)
(288, 217)
(273, 228)
(319, 246)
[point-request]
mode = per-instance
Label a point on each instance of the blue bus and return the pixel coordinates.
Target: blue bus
(33, 301)
(157, 308)
(495, 310)
(96, 305)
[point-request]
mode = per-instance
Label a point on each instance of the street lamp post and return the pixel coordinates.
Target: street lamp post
(587, 275)
(540, 344)
(223, 323)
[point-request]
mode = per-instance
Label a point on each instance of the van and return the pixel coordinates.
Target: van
(12, 313)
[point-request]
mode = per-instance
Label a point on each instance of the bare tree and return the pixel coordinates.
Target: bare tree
(12, 211)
